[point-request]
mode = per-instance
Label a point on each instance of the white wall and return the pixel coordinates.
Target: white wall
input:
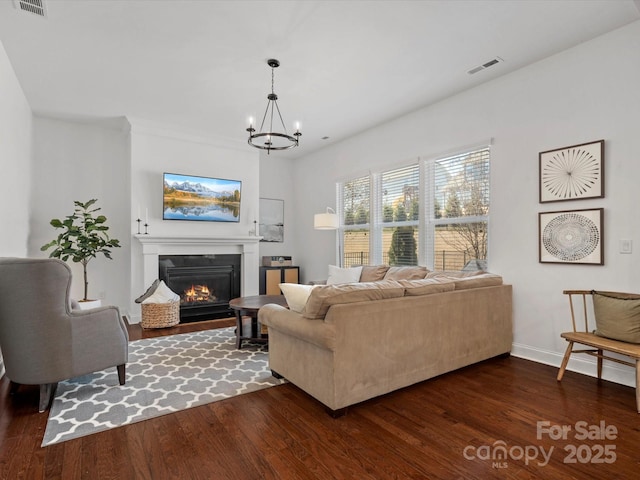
(587, 93)
(15, 164)
(81, 161)
(15, 159)
(121, 164)
(276, 181)
(156, 149)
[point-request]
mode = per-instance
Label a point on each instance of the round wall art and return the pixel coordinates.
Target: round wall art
(571, 237)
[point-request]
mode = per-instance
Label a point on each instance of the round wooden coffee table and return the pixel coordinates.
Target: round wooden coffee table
(249, 306)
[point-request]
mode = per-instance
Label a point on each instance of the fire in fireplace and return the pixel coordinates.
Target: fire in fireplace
(205, 283)
(197, 294)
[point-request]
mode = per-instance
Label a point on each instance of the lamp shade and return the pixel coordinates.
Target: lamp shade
(326, 221)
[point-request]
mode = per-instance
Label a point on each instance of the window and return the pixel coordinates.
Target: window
(354, 202)
(400, 200)
(434, 213)
(457, 230)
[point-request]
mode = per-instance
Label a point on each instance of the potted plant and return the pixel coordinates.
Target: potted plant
(84, 236)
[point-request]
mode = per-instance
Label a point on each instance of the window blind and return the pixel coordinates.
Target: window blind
(354, 212)
(399, 215)
(460, 210)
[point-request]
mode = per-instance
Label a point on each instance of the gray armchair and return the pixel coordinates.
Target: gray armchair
(44, 341)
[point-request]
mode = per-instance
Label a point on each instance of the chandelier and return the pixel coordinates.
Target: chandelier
(270, 139)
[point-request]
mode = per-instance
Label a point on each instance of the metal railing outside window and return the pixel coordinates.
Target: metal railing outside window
(443, 259)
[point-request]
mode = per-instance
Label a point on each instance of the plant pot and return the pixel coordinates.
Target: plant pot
(89, 304)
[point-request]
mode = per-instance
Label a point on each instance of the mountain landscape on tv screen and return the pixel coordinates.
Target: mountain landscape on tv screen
(187, 199)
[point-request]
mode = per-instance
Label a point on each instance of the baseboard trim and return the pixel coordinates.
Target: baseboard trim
(578, 363)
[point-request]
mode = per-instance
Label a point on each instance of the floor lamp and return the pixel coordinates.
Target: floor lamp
(328, 221)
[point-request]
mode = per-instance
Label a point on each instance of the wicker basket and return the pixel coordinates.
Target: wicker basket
(160, 315)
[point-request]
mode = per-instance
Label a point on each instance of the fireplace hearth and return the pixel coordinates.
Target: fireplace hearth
(205, 283)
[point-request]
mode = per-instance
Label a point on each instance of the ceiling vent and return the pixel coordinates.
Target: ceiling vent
(484, 66)
(32, 6)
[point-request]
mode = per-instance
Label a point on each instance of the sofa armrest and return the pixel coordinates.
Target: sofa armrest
(295, 325)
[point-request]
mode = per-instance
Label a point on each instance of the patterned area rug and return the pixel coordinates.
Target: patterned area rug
(164, 375)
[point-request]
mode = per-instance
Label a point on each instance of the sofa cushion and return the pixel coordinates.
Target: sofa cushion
(296, 295)
(373, 273)
(426, 286)
(476, 281)
(324, 296)
(343, 275)
(617, 316)
(406, 273)
(454, 274)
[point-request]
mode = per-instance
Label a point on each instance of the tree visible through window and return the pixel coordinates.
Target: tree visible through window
(354, 208)
(462, 196)
(382, 220)
(401, 213)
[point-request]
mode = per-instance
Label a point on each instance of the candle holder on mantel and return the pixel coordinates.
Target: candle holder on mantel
(138, 221)
(146, 228)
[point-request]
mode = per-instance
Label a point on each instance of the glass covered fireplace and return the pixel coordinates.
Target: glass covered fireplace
(205, 283)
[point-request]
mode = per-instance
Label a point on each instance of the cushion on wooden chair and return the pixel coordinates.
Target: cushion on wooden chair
(617, 315)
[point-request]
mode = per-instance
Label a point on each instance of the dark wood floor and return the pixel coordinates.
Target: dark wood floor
(444, 428)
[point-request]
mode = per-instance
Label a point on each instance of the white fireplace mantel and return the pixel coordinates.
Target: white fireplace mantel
(247, 246)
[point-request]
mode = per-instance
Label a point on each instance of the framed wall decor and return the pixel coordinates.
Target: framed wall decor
(271, 225)
(571, 236)
(572, 173)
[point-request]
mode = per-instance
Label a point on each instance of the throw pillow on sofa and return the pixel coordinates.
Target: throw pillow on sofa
(343, 275)
(296, 295)
(617, 316)
(406, 273)
(373, 273)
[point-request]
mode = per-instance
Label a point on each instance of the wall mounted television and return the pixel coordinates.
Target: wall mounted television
(205, 199)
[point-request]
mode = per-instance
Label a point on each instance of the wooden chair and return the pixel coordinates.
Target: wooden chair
(598, 344)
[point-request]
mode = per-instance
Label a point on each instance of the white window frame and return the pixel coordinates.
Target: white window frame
(426, 223)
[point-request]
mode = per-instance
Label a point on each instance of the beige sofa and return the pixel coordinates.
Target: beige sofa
(353, 342)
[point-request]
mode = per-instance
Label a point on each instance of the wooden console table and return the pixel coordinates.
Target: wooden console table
(249, 306)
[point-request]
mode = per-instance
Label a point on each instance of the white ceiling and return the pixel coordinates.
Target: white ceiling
(200, 65)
